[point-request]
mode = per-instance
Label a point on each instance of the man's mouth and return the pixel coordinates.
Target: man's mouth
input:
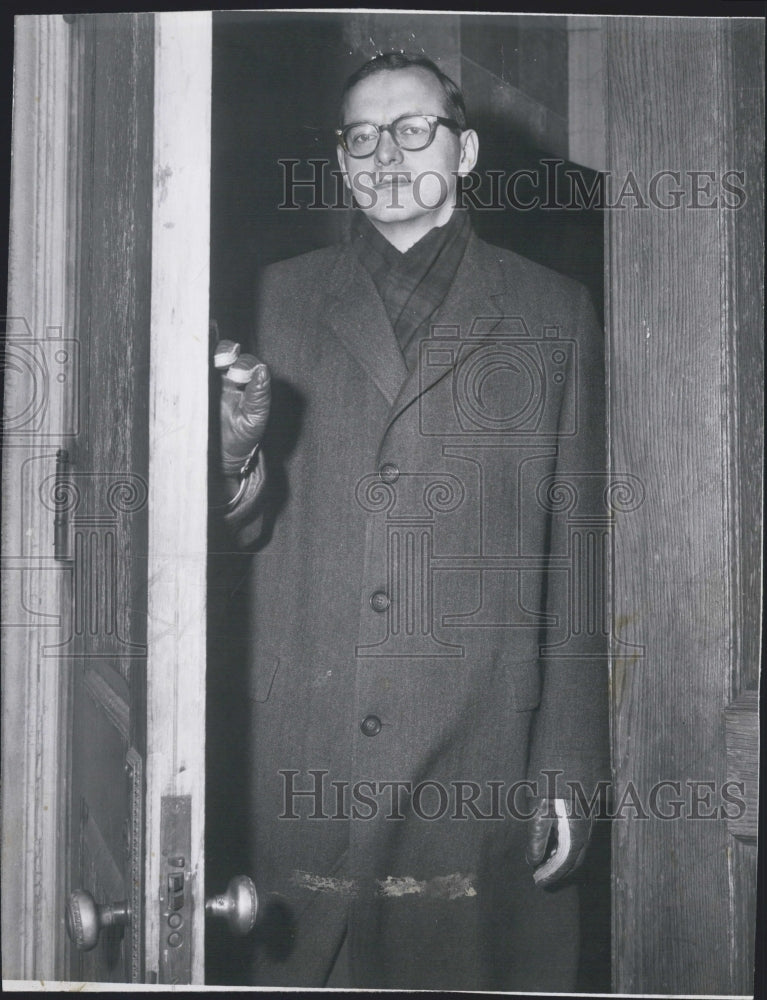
(388, 178)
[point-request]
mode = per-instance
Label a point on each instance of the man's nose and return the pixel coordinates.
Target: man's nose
(388, 151)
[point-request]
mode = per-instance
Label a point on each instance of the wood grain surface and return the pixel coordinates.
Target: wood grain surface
(675, 305)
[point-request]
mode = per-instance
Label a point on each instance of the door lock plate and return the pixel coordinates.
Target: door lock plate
(176, 908)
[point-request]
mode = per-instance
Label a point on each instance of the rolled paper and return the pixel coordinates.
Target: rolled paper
(227, 352)
(243, 369)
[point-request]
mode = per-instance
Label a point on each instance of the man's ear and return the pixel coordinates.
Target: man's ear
(342, 165)
(469, 151)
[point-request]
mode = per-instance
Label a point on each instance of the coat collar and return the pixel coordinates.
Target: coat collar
(478, 293)
(358, 318)
(360, 322)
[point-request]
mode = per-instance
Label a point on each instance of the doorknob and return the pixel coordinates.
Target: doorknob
(238, 905)
(85, 918)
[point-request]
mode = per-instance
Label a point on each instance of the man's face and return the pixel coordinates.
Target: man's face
(405, 192)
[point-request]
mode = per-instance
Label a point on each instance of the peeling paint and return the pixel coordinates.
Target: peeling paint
(404, 886)
(455, 886)
(161, 178)
(325, 883)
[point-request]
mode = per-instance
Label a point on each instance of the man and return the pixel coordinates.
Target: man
(416, 656)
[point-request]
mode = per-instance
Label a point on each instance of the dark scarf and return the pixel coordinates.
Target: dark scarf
(413, 284)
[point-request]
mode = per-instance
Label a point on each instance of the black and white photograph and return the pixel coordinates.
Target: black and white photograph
(382, 494)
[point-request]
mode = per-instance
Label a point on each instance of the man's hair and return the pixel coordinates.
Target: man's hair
(455, 106)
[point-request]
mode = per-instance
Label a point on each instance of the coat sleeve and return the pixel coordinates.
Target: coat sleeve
(242, 524)
(243, 520)
(571, 726)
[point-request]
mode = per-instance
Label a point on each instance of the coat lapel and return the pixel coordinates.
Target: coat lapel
(477, 293)
(358, 318)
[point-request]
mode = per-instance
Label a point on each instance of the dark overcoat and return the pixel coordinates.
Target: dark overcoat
(425, 622)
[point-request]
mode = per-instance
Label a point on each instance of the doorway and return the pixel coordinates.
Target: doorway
(276, 83)
(685, 316)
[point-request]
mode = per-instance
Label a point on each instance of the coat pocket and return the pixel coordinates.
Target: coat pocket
(263, 670)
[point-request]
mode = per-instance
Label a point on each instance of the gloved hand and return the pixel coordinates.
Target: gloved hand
(245, 399)
(556, 842)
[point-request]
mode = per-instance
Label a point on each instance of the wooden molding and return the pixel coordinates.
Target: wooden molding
(34, 687)
(178, 436)
(683, 314)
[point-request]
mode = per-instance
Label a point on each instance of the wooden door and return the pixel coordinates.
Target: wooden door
(685, 317)
(109, 445)
(106, 532)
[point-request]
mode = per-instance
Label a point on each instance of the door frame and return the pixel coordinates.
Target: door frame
(36, 693)
(35, 699)
(685, 349)
(35, 696)
(178, 461)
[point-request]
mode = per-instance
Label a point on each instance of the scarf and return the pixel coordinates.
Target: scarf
(413, 284)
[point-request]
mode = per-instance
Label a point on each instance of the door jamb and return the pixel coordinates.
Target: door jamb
(35, 687)
(178, 472)
(35, 684)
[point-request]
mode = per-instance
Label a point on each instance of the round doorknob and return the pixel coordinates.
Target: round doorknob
(85, 918)
(238, 905)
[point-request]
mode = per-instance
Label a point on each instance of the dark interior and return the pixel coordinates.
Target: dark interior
(276, 82)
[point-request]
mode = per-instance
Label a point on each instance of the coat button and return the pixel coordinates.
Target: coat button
(371, 725)
(389, 472)
(379, 601)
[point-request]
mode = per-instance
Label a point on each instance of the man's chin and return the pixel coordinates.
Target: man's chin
(393, 198)
(387, 214)
(390, 213)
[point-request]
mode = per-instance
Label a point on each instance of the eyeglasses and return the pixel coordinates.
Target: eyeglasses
(411, 132)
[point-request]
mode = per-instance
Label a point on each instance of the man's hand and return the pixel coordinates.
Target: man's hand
(245, 398)
(557, 843)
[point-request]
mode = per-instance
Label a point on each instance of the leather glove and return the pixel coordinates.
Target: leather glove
(556, 842)
(245, 399)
